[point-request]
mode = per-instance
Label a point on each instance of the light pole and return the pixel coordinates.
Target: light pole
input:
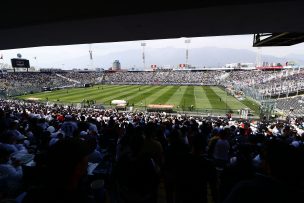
(36, 66)
(187, 42)
(91, 57)
(143, 53)
(258, 58)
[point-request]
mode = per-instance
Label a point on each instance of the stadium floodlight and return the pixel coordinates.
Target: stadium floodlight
(187, 42)
(258, 57)
(91, 57)
(143, 44)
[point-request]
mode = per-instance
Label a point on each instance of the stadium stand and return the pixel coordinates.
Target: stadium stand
(128, 149)
(165, 77)
(21, 83)
(291, 105)
(261, 85)
(140, 151)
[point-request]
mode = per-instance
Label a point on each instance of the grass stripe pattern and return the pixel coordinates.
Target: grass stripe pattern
(182, 97)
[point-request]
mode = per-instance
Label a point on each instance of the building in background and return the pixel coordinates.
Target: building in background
(116, 66)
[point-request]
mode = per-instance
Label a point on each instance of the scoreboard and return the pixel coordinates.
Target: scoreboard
(20, 63)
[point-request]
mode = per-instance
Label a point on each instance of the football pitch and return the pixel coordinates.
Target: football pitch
(182, 97)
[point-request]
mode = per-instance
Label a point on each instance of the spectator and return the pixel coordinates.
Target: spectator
(280, 182)
(67, 162)
(10, 173)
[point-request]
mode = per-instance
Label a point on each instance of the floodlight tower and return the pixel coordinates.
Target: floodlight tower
(91, 57)
(258, 58)
(143, 54)
(187, 42)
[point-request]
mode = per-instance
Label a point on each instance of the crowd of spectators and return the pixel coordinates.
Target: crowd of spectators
(26, 82)
(260, 84)
(249, 77)
(165, 77)
(90, 77)
(291, 105)
(235, 160)
(268, 83)
(283, 84)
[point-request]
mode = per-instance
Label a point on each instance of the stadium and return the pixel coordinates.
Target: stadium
(140, 89)
(157, 132)
(212, 92)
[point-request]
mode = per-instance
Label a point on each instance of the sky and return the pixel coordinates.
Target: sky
(59, 56)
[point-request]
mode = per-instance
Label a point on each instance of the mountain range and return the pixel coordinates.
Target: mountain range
(211, 57)
(198, 57)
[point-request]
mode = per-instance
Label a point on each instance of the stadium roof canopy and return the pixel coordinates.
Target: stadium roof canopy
(277, 39)
(45, 23)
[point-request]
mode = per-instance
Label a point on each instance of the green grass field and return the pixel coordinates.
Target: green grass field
(201, 97)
